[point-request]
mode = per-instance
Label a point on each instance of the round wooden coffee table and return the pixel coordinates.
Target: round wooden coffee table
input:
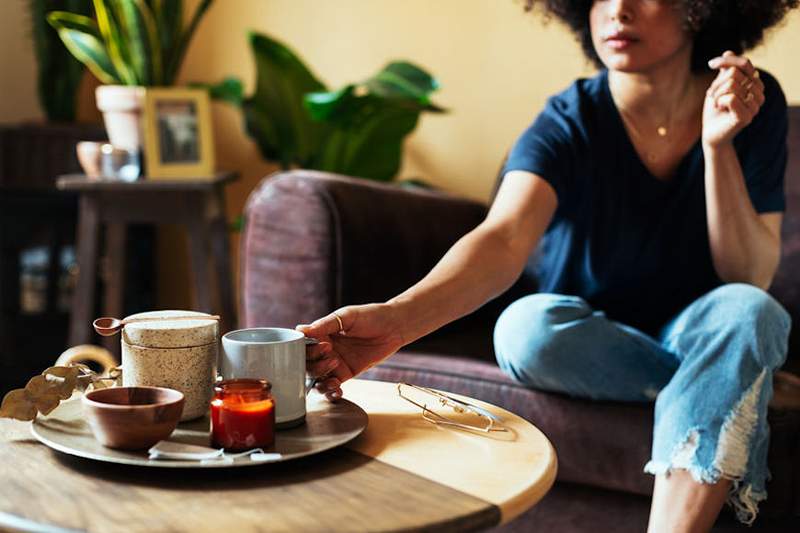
(402, 473)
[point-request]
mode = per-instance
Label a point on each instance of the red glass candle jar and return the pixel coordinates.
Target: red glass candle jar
(242, 414)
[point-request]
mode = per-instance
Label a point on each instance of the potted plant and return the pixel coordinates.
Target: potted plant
(128, 45)
(357, 130)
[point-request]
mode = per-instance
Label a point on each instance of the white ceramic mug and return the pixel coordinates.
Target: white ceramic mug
(277, 355)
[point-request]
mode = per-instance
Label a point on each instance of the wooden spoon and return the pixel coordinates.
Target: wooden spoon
(107, 326)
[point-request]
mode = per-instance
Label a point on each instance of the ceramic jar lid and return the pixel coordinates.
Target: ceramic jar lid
(170, 333)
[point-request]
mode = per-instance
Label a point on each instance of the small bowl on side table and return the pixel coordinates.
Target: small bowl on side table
(132, 418)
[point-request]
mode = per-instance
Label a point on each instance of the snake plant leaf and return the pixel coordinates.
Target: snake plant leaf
(169, 23)
(138, 28)
(59, 72)
(115, 46)
(281, 81)
(153, 42)
(82, 37)
(175, 59)
(404, 80)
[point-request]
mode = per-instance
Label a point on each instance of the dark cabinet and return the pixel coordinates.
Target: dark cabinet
(37, 246)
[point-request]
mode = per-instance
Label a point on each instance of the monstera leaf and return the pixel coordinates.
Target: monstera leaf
(274, 114)
(369, 121)
(356, 130)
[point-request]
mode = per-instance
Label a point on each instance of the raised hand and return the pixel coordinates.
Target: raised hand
(359, 338)
(732, 100)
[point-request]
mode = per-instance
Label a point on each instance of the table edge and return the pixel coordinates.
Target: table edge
(16, 523)
(82, 183)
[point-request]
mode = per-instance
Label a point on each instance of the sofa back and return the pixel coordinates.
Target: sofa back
(786, 286)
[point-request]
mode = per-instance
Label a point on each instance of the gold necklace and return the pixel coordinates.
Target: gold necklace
(662, 132)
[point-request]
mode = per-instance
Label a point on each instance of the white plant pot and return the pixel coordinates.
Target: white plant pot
(122, 108)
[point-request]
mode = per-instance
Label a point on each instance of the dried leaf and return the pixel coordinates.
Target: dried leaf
(83, 382)
(83, 369)
(16, 404)
(115, 373)
(43, 393)
(68, 377)
(102, 384)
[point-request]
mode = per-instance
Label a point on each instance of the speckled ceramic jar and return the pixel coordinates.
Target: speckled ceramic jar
(179, 354)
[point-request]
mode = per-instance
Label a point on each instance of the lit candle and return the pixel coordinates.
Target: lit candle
(242, 414)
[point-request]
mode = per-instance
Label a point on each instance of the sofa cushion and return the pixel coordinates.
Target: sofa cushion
(603, 444)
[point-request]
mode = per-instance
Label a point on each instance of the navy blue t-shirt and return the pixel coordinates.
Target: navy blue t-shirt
(632, 245)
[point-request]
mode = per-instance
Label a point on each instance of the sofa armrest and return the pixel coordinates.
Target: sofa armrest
(314, 241)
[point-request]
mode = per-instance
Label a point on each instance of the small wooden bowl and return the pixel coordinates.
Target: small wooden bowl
(132, 418)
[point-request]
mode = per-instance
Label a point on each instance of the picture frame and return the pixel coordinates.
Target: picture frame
(178, 137)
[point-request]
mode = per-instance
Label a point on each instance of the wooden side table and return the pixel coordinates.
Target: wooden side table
(198, 205)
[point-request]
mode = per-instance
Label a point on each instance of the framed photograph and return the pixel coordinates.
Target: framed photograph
(178, 138)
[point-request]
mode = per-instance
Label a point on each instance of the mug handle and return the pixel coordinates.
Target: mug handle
(311, 382)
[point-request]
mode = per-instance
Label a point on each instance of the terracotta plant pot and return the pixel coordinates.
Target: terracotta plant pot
(122, 113)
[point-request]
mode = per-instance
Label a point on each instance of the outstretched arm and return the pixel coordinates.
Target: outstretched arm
(480, 266)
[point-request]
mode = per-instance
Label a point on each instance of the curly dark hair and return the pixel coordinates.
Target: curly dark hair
(717, 25)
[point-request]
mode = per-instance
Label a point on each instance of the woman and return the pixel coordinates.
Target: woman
(654, 192)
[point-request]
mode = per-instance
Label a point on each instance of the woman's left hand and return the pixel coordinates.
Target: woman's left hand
(732, 100)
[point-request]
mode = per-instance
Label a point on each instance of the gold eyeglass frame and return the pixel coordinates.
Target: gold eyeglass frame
(493, 422)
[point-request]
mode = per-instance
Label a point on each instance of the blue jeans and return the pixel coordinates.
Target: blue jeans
(709, 371)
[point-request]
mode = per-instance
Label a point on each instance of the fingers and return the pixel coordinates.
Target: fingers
(735, 105)
(738, 87)
(323, 366)
(317, 351)
(327, 326)
(751, 95)
(729, 59)
(331, 387)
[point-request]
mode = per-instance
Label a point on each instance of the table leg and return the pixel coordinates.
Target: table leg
(198, 257)
(83, 298)
(54, 246)
(114, 275)
(221, 252)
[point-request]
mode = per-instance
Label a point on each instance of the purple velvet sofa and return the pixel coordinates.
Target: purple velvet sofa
(314, 242)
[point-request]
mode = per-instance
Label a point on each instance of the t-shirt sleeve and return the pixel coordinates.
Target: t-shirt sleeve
(763, 151)
(543, 149)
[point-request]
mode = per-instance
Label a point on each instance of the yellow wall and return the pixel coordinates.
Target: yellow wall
(496, 64)
(17, 64)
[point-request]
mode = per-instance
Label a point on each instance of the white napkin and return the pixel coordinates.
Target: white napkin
(190, 452)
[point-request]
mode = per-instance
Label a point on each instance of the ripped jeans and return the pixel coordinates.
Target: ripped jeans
(709, 371)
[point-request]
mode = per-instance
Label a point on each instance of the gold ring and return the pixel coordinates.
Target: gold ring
(748, 97)
(341, 326)
(756, 75)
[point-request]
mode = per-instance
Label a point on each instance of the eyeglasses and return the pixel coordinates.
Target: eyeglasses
(485, 421)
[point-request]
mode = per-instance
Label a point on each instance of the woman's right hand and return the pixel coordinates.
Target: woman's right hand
(369, 334)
